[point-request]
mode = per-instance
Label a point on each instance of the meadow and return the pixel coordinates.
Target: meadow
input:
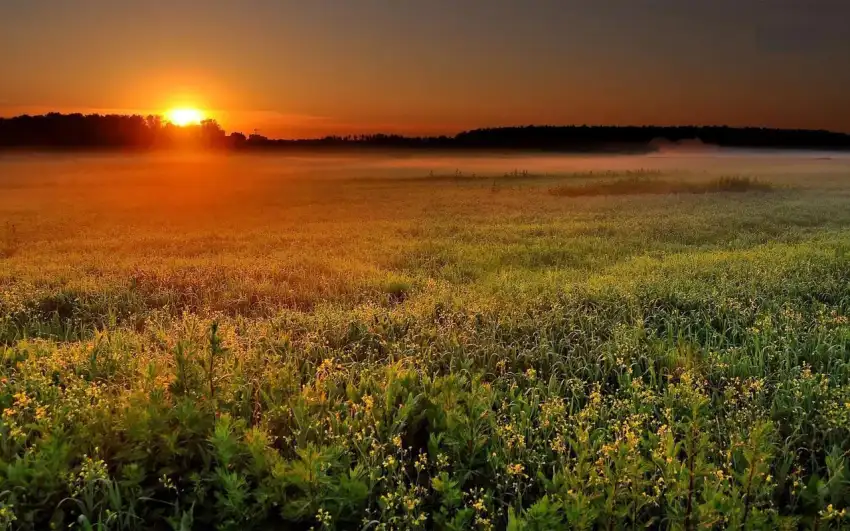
(425, 342)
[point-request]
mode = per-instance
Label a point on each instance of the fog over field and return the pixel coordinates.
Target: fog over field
(398, 163)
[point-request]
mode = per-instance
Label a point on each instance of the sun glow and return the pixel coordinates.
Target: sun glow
(184, 116)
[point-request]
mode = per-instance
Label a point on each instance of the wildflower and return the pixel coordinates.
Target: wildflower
(397, 441)
(16, 432)
(323, 517)
(596, 395)
(167, 482)
(9, 412)
(483, 523)
(831, 513)
(631, 438)
(7, 516)
(21, 399)
(327, 366)
(40, 412)
(516, 469)
(558, 445)
(421, 462)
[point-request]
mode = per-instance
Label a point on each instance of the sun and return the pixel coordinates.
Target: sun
(184, 116)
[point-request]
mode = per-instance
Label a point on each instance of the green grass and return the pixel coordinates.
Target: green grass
(643, 185)
(266, 343)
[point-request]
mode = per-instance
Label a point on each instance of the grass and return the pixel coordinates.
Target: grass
(642, 185)
(10, 241)
(265, 343)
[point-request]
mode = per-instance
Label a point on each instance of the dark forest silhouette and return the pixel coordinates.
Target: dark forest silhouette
(94, 131)
(77, 131)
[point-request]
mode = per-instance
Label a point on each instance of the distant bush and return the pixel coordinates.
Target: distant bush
(735, 183)
(641, 185)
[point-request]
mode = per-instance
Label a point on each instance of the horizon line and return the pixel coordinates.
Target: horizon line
(447, 135)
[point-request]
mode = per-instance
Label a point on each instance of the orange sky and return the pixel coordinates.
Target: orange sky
(326, 67)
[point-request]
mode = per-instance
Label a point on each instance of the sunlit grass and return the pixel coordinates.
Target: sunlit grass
(217, 344)
(644, 185)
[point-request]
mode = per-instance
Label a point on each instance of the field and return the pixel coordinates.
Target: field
(439, 342)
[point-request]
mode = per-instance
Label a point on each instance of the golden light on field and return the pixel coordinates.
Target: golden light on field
(184, 116)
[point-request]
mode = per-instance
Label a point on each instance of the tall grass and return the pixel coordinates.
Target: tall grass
(643, 185)
(293, 356)
(11, 241)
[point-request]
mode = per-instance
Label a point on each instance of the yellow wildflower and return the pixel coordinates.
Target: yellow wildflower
(516, 469)
(21, 399)
(479, 505)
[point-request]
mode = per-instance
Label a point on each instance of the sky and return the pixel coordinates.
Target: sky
(296, 68)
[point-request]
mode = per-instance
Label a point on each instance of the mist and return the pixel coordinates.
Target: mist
(396, 163)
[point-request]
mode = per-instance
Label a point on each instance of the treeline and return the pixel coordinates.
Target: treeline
(97, 131)
(551, 137)
(77, 131)
(586, 139)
